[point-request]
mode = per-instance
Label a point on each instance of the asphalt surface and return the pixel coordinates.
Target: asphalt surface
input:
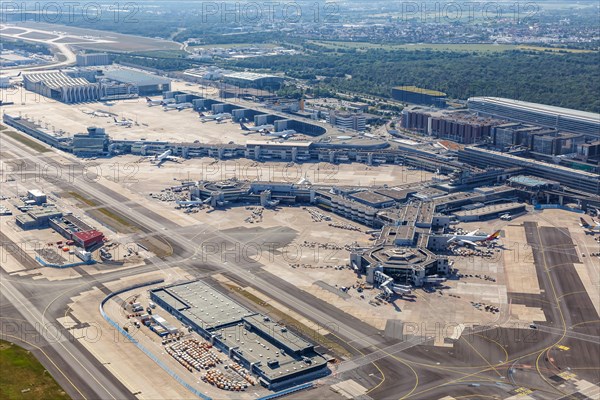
(494, 361)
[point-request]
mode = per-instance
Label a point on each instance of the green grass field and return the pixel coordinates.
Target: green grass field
(25, 140)
(23, 377)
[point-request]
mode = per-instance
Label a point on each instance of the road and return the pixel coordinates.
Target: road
(504, 361)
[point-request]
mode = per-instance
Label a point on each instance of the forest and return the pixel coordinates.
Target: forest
(560, 79)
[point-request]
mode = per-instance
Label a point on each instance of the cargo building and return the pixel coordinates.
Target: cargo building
(266, 348)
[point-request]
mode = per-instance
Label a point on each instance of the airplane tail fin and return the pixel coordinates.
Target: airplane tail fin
(493, 236)
(148, 100)
(584, 223)
(244, 127)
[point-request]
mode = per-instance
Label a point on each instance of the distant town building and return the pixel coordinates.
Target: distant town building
(92, 59)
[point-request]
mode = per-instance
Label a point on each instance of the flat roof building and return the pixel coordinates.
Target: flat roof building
(147, 84)
(345, 120)
(253, 80)
(92, 59)
(264, 347)
(416, 95)
(563, 119)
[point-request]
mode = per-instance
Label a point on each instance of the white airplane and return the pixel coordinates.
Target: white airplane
(506, 217)
(177, 106)
(214, 117)
(592, 228)
(152, 103)
(122, 122)
(472, 239)
(95, 113)
(288, 133)
(166, 156)
(260, 128)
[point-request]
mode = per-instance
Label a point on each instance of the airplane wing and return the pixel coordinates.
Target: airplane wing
(468, 242)
(472, 233)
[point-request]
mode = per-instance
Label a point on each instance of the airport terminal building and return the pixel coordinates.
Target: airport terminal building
(563, 119)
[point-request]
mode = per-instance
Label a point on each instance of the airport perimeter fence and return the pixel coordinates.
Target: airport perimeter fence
(287, 391)
(140, 346)
(47, 264)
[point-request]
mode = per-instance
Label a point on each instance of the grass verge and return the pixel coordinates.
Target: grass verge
(158, 245)
(104, 211)
(23, 377)
(24, 140)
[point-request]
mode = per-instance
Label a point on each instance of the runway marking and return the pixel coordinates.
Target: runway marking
(567, 375)
(570, 293)
(499, 345)
(586, 322)
(481, 355)
(523, 391)
(562, 317)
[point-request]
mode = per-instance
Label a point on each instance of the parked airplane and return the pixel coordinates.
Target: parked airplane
(506, 217)
(591, 228)
(122, 122)
(215, 117)
(283, 134)
(260, 128)
(472, 239)
(152, 103)
(177, 106)
(166, 156)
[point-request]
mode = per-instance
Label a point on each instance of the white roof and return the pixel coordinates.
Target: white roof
(565, 112)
